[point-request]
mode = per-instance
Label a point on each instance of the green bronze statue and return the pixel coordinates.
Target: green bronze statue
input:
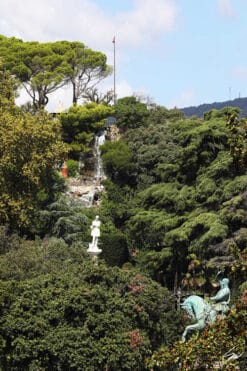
(222, 298)
(203, 312)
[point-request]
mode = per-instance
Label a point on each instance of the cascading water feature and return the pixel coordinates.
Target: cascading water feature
(87, 198)
(99, 172)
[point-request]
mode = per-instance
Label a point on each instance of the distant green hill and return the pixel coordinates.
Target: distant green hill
(202, 108)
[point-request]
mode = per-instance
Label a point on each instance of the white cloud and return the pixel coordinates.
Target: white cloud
(123, 89)
(83, 20)
(226, 8)
(62, 97)
(29, 21)
(146, 21)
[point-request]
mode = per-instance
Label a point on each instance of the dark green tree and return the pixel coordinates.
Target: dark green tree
(31, 150)
(79, 125)
(118, 162)
(130, 113)
(238, 141)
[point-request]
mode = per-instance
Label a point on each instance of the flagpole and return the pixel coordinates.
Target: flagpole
(114, 70)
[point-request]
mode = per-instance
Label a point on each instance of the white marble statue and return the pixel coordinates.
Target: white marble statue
(95, 231)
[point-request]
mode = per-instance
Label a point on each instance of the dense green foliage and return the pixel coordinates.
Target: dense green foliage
(130, 113)
(188, 198)
(73, 167)
(237, 141)
(58, 311)
(7, 87)
(118, 162)
(64, 218)
(31, 150)
(79, 125)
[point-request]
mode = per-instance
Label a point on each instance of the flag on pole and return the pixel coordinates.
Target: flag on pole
(113, 40)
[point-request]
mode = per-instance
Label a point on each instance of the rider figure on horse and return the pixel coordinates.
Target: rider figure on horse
(204, 312)
(222, 298)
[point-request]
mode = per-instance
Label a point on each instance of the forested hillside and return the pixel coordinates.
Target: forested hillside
(202, 108)
(177, 190)
(173, 214)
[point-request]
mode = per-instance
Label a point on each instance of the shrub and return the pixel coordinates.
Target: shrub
(72, 167)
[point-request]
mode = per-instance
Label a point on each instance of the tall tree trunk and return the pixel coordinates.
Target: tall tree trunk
(74, 94)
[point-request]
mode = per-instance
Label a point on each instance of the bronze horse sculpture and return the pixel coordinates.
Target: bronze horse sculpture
(203, 312)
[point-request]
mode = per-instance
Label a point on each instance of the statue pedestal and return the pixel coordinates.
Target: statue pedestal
(94, 251)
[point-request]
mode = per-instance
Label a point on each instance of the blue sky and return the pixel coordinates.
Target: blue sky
(177, 52)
